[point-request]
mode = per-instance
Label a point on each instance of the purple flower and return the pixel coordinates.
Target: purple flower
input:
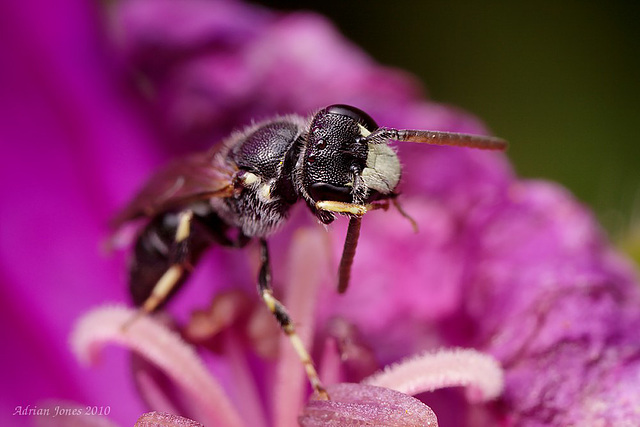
(239, 401)
(516, 269)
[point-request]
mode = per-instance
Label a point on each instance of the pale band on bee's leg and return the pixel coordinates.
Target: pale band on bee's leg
(162, 289)
(283, 318)
(170, 279)
(342, 207)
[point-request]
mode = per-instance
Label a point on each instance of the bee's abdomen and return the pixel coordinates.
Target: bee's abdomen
(156, 251)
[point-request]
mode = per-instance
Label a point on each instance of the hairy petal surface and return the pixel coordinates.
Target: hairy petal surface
(163, 419)
(357, 405)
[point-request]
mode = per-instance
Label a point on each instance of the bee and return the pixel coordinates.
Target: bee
(338, 161)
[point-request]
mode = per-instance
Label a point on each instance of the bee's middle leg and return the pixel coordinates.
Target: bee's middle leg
(283, 318)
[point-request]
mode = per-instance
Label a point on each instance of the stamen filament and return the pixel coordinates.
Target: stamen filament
(444, 368)
(163, 348)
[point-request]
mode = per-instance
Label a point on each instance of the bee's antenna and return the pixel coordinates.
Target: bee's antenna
(383, 134)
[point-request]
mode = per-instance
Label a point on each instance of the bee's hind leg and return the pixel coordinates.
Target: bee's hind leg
(179, 267)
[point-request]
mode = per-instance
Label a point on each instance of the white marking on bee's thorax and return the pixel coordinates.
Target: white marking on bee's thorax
(265, 192)
(382, 171)
(250, 179)
(263, 189)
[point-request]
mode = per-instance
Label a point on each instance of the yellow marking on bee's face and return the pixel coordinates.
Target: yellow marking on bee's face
(383, 170)
(364, 131)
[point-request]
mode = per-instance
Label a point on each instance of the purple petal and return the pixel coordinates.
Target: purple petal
(181, 26)
(70, 145)
(356, 405)
(525, 275)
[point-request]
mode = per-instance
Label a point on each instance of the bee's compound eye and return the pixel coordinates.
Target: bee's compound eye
(355, 113)
(322, 191)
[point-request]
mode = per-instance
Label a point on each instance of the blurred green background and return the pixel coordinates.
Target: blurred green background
(559, 80)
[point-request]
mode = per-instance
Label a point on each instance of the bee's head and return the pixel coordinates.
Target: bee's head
(339, 164)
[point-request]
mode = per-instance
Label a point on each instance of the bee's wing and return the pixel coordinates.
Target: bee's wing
(196, 177)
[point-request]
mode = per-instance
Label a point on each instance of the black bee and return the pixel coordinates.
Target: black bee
(337, 161)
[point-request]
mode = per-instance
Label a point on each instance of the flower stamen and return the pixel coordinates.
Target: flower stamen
(162, 347)
(444, 368)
